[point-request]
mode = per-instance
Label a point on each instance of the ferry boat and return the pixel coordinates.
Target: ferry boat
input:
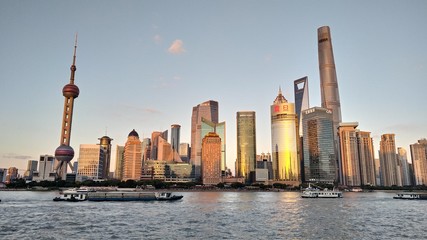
(316, 193)
(411, 196)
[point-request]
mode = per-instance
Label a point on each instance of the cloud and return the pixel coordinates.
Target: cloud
(15, 156)
(157, 39)
(152, 110)
(177, 47)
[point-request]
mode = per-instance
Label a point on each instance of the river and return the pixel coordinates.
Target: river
(214, 215)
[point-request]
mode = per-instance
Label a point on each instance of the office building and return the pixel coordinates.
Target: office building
(31, 168)
(301, 99)
(208, 110)
(211, 159)
(132, 161)
(419, 161)
(120, 155)
(218, 128)
(390, 168)
(184, 152)
(155, 139)
(284, 141)
(146, 149)
(246, 145)
(46, 171)
(349, 168)
(175, 137)
(366, 158)
(402, 157)
(91, 162)
(318, 144)
(105, 143)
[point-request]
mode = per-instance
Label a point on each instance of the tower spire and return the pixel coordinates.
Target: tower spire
(73, 66)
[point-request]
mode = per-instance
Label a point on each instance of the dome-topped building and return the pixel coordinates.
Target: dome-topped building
(133, 133)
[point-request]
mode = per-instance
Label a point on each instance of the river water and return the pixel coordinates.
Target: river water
(214, 215)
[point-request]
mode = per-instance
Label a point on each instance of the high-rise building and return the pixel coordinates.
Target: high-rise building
(207, 110)
(3, 174)
(246, 145)
(120, 155)
(91, 162)
(390, 168)
(301, 99)
(419, 161)
(211, 159)
(184, 152)
(46, 171)
(155, 143)
(132, 161)
(146, 149)
(65, 153)
(31, 168)
(366, 158)
(218, 128)
(12, 174)
(105, 143)
(402, 157)
(328, 76)
(284, 140)
(319, 153)
(349, 168)
(175, 137)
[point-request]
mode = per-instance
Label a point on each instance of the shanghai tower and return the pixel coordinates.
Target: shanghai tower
(328, 76)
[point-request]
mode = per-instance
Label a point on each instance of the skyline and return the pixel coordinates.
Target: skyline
(144, 65)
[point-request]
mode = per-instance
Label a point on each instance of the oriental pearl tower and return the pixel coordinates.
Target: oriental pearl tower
(64, 153)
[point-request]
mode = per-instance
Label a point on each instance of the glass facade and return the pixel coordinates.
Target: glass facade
(218, 128)
(91, 162)
(246, 145)
(301, 99)
(284, 141)
(318, 145)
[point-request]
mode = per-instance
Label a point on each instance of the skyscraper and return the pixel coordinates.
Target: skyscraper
(301, 99)
(208, 110)
(91, 162)
(132, 162)
(218, 128)
(349, 168)
(105, 143)
(31, 168)
(175, 137)
(319, 153)
(388, 161)
(419, 161)
(120, 155)
(366, 158)
(330, 97)
(246, 145)
(184, 152)
(45, 172)
(402, 157)
(284, 141)
(155, 143)
(211, 159)
(65, 153)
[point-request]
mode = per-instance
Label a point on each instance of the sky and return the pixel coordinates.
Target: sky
(144, 65)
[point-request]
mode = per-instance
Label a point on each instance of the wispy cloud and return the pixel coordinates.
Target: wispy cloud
(16, 156)
(157, 39)
(152, 110)
(177, 47)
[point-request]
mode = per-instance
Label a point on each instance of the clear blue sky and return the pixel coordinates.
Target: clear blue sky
(144, 64)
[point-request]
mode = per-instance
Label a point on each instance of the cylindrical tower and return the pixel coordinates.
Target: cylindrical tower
(105, 143)
(328, 76)
(65, 153)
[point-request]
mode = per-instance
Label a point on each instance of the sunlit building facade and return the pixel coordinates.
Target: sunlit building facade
(91, 162)
(211, 159)
(419, 161)
(246, 145)
(218, 128)
(132, 162)
(184, 152)
(46, 171)
(284, 140)
(389, 166)
(349, 168)
(402, 157)
(366, 158)
(31, 168)
(120, 155)
(208, 110)
(319, 153)
(105, 143)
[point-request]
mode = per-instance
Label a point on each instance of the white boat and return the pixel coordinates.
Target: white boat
(316, 193)
(72, 195)
(167, 196)
(411, 196)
